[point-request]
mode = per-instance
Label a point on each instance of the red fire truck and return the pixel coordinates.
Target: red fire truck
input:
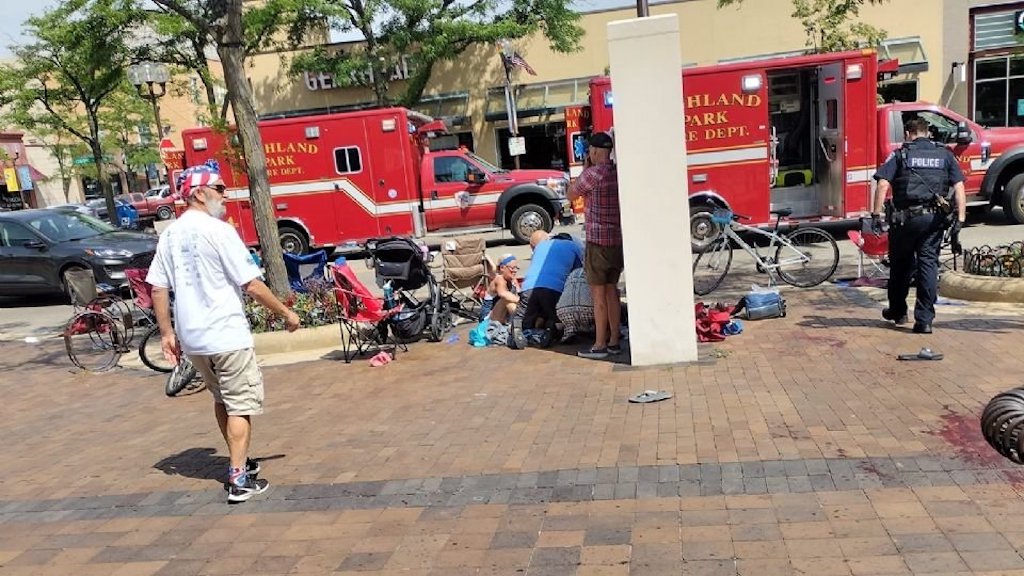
(807, 133)
(339, 179)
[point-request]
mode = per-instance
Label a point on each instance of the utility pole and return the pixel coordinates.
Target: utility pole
(510, 100)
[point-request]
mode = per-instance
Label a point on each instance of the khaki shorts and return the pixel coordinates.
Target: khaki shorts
(234, 379)
(602, 264)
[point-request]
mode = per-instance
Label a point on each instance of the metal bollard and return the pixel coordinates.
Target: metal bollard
(1002, 423)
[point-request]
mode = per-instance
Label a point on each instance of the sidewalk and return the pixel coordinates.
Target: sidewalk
(799, 447)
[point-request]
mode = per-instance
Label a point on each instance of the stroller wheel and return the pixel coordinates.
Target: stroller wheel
(440, 319)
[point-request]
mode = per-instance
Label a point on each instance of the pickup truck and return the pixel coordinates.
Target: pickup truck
(992, 159)
(159, 205)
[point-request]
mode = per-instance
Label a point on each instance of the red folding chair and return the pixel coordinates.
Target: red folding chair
(872, 248)
(365, 323)
(141, 291)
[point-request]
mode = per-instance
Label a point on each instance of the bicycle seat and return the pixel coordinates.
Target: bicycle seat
(782, 212)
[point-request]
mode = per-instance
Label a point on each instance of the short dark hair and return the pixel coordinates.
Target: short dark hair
(917, 125)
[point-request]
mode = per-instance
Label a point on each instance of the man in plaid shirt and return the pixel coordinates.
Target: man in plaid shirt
(602, 263)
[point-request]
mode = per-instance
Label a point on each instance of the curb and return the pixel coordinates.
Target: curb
(303, 339)
(981, 288)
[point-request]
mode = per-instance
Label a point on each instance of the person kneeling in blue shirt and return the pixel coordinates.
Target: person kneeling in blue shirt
(553, 259)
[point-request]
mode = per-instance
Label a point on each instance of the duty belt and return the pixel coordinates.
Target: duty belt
(919, 209)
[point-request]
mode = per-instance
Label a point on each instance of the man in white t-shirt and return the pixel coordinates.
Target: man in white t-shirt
(204, 262)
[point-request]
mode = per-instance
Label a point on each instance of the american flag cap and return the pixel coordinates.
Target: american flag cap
(196, 176)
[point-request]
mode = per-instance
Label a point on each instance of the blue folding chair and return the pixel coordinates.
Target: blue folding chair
(292, 263)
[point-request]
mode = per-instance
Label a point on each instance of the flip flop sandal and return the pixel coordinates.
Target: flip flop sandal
(650, 396)
(924, 354)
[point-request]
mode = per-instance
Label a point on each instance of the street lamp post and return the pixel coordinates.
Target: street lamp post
(150, 80)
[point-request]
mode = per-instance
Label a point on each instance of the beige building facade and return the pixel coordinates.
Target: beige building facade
(931, 39)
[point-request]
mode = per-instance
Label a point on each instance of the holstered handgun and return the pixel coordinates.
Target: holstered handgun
(890, 211)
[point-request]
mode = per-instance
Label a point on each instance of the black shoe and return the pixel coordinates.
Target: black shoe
(888, 315)
(922, 328)
(252, 487)
(252, 468)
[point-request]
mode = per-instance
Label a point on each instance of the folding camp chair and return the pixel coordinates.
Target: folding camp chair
(365, 323)
(466, 273)
(872, 249)
(292, 263)
(142, 294)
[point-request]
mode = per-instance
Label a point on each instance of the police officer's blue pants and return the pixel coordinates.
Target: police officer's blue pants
(914, 253)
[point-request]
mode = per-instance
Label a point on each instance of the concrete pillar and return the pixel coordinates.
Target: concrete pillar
(651, 152)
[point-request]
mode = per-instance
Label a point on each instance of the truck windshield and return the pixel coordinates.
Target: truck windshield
(487, 165)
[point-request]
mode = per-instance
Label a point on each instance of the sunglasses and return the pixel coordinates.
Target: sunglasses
(220, 188)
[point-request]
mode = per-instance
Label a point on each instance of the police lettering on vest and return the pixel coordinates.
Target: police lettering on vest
(922, 174)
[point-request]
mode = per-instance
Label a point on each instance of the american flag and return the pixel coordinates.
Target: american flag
(517, 61)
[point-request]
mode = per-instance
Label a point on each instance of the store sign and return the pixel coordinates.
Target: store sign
(327, 81)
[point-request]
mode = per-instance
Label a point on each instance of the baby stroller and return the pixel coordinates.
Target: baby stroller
(402, 264)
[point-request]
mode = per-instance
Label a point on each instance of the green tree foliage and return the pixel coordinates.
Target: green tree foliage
(426, 32)
(76, 59)
(830, 24)
(234, 35)
(122, 116)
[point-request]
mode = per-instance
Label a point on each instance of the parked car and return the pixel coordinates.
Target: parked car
(81, 208)
(38, 247)
(128, 216)
(159, 207)
(159, 192)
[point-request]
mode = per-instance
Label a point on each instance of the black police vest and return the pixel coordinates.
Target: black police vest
(921, 174)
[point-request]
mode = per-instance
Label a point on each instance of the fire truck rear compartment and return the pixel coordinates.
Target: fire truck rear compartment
(792, 100)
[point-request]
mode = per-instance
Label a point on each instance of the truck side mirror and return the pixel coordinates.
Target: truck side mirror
(35, 245)
(963, 133)
(476, 177)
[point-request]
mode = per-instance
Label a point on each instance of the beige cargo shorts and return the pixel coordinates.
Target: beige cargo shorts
(234, 379)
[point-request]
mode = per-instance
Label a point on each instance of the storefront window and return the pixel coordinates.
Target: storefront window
(999, 91)
(990, 103)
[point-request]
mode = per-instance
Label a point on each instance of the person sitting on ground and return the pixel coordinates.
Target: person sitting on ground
(502, 292)
(553, 259)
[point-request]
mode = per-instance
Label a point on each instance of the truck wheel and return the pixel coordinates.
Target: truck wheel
(164, 213)
(1013, 199)
(527, 219)
(703, 230)
(293, 241)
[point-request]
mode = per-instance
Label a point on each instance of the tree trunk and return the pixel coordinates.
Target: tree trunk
(101, 180)
(231, 55)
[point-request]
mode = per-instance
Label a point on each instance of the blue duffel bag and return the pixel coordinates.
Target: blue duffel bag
(760, 304)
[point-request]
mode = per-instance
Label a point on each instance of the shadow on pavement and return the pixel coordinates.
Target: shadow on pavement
(38, 301)
(201, 464)
(991, 325)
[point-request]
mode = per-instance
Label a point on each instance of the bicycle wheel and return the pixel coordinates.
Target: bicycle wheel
(808, 258)
(711, 266)
(152, 354)
(180, 377)
(94, 340)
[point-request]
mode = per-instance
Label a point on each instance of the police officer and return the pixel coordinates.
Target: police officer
(919, 176)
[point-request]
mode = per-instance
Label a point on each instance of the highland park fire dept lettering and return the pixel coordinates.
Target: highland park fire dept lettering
(281, 157)
(714, 125)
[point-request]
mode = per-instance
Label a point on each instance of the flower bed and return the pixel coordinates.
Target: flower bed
(317, 307)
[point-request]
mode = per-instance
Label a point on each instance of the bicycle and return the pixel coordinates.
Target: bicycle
(805, 257)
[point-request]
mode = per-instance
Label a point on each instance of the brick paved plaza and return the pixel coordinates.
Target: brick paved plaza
(800, 447)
